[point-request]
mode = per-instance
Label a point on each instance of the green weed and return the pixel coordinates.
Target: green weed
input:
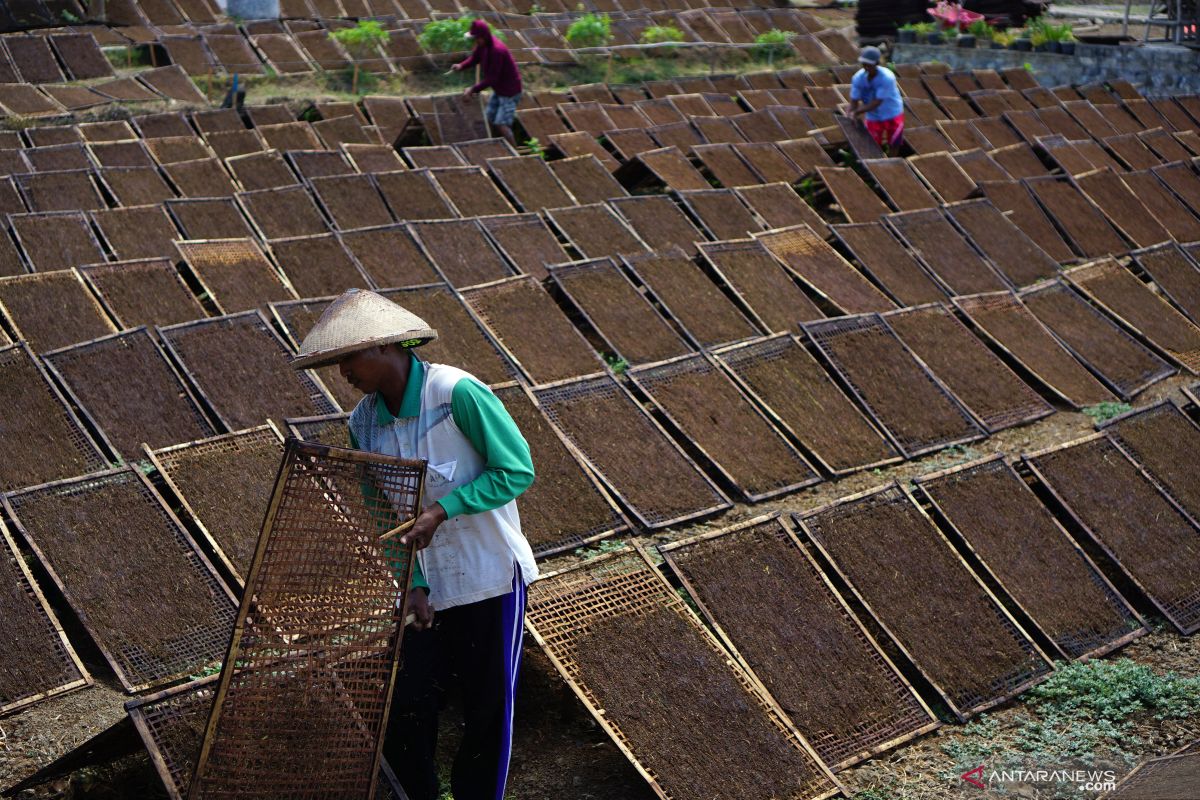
(1105, 411)
(600, 548)
(590, 30)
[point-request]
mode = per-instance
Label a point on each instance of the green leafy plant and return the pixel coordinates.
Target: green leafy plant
(923, 27)
(1105, 411)
(69, 17)
(981, 30)
(1061, 33)
(1113, 691)
(590, 30)
(446, 35)
(362, 41)
(536, 148)
(1004, 38)
(617, 364)
(661, 34)
(773, 44)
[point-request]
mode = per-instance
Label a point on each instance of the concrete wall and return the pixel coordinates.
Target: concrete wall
(1156, 70)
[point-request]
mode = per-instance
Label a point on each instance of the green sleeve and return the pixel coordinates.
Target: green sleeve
(418, 577)
(508, 469)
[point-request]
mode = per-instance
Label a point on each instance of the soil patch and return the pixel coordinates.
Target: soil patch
(885, 259)
(632, 455)
(762, 283)
(1020, 542)
(595, 231)
(42, 441)
(721, 213)
(461, 251)
(1006, 322)
(822, 268)
(946, 252)
(526, 241)
(793, 386)
(1127, 297)
(895, 388)
(317, 266)
(1164, 442)
(461, 341)
(525, 319)
(56, 241)
(715, 416)
(244, 371)
(390, 256)
(412, 195)
(42, 661)
(471, 191)
(283, 213)
(659, 222)
(1013, 253)
(129, 390)
(1154, 543)
(1099, 343)
(620, 313)
(227, 483)
(562, 508)
(976, 376)
(52, 309)
(669, 725)
(706, 314)
(236, 273)
(128, 569)
(794, 632)
(914, 582)
(141, 232)
(209, 219)
(351, 201)
(530, 182)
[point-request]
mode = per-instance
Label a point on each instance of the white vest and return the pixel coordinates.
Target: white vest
(472, 557)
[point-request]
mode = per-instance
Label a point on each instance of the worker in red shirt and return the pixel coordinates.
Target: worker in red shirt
(499, 73)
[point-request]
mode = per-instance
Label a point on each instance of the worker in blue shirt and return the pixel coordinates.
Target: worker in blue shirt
(875, 99)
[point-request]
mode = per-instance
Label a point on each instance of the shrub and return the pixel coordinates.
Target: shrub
(661, 34)
(772, 44)
(446, 35)
(1104, 411)
(590, 30)
(981, 30)
(362, 41)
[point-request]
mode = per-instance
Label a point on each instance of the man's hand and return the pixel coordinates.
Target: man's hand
(467, 94)
(421, 533)
(421, 608)
(456, 67)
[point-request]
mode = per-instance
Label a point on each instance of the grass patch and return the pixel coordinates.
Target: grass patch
(1106, 411)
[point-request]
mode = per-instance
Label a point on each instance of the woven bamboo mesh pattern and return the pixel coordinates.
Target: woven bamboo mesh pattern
(563, 607)
(329, 430)
(899, 716)
(172, 728)
(1073, 643)
(56, 668)
(56, 519)
(220, 252)
(1168, 778)
(318, 634)
(1000, 689)
(825, 335)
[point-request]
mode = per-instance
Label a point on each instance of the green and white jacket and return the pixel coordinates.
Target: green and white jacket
(478, 464)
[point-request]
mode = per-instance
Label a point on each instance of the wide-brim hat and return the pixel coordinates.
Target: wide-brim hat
(355, 321)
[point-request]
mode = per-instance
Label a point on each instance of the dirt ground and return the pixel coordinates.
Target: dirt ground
(561, 754)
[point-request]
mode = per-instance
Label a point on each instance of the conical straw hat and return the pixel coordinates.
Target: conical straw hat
(355, 321)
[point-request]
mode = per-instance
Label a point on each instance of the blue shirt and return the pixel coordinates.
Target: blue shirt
(882, 87)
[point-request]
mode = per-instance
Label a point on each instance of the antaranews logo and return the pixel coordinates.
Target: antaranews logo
(1084, 780)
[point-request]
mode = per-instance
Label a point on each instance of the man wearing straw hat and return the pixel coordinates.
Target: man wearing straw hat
(474, 563)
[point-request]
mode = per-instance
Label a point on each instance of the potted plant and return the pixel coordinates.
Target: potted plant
(934, 35)
(907, 33)
(1020, 41)
(1001, 40)
(981, 32)
(1065, 38)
